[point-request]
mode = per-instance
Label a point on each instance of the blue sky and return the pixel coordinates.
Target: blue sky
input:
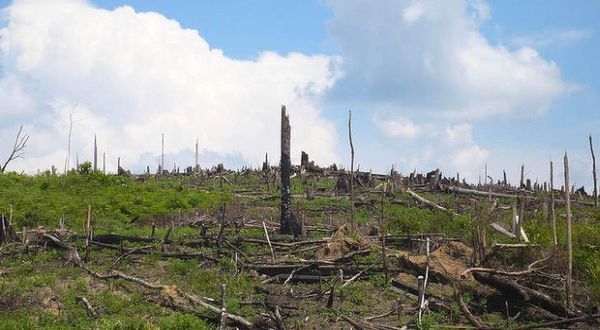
(453, 85)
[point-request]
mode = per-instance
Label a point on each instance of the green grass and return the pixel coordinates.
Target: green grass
(115, 200)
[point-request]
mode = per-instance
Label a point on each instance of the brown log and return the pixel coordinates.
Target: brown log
(552, 324)
(513, 289)
(428, 202)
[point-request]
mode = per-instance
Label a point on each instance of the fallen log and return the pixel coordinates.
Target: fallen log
(430, 203)
(117, 239)
(502, 231)
(473, 320)
(497, 194)
(91, 311)
(513, 289)
(436, 304)
(559, 322)
(238, 320)
(178, 255)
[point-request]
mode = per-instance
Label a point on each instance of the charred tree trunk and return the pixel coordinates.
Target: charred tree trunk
(288, 222)
(522, 183)
(304, 162)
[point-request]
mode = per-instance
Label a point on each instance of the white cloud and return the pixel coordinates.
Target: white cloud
(412, 13)
(129, 76)
(470, 158)
(459, 134)
(396, 126)
(430, 59)
(436, 76)
(551, 37)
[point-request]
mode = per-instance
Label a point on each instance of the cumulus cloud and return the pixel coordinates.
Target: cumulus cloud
(436, 76)
(128, 76)
(430, 59)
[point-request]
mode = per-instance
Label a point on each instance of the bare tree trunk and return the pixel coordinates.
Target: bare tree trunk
(351, 168)
(68, 158)
(569, 242)
(486, 175)
(288, 222)
(197, 167)
(552, 203)
(95, 154)
(104, 162)
(594, 173)
(383, 252)
(162, 153)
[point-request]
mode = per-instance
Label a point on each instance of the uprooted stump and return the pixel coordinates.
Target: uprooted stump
(343, 244)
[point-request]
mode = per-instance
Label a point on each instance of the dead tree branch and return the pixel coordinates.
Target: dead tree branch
(18, 149)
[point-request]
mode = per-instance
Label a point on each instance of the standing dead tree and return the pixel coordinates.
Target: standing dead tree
(68, 158)
(569, 241)
(95, 154)
(18, 149)
(594, 173)
(351, 168)
(553, 204)
(288, 221)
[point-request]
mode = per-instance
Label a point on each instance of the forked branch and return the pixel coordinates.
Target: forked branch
(18, 148)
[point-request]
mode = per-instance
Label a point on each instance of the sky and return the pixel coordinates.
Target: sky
(453, 85)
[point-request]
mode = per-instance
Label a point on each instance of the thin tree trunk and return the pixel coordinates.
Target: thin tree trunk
(68, 158)
(162, 153)
(351, 168)
(383, 252)
(552, 203)
(197, 167)
(95, 154)
(569, 243)
(594, 173)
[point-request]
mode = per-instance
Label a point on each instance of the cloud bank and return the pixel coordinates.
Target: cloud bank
(425, 69)
(129, 76)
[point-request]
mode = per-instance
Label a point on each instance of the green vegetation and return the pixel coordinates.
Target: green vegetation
(38, 291)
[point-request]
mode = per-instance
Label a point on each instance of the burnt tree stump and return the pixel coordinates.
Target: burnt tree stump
(288, 221)
(304, 161)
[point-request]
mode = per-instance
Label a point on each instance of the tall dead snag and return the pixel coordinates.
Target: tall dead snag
(522, 184)
(18, 148)
(162, 154)
(569, 243)
(304, 162)
(95, 154)
(288, 222)
(594, 173)
(552, 203)
(351, 168)
(197, 167)
(383, 233)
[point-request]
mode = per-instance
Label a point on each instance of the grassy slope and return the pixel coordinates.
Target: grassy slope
(116, 201)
